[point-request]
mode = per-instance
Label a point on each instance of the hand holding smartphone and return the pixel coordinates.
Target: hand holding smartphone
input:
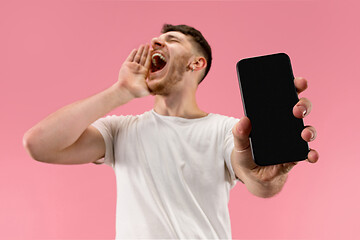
(269, 95)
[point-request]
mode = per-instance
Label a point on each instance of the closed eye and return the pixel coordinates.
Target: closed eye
(171, 38)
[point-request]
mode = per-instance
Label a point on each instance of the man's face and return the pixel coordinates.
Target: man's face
(170, 56)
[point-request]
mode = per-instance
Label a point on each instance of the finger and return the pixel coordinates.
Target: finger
(148, 60)
(308, 133)
(300, 84)
(241, 132)
(138, 54)
(313, 156)
(144, 54)
(302, 108)
(131, 56)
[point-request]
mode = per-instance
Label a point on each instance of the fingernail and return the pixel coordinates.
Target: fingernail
(238, 128)
(302, 109)
(312, 136)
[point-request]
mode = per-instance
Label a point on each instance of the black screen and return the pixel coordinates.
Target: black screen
(269, 95)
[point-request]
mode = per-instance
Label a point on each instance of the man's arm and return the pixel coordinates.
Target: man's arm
(268, 180)
(66, 136)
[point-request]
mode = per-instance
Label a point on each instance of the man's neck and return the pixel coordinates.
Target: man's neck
(178, 105)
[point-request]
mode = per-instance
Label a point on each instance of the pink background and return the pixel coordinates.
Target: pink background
(56, 52)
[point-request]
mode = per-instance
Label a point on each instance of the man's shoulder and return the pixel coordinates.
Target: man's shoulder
(223, 122)
(118, 120)
(128, 116)
(225, 118)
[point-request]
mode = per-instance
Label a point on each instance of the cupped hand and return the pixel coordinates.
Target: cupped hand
(135, 70)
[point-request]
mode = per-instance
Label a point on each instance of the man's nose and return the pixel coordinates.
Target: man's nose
(157, 43)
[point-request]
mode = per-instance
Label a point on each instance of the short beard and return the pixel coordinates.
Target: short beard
(175, 75)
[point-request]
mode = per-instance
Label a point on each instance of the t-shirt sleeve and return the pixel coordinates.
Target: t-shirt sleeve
(107, 128)
(228, 147)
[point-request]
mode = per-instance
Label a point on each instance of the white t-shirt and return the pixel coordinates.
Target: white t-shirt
(173, 174)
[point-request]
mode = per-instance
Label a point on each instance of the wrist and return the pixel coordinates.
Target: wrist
(263, 178)
(120, 94)
(265, 188)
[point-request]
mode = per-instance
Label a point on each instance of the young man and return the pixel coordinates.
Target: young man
(175, 164)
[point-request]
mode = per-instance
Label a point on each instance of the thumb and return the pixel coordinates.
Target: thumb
(241, 132)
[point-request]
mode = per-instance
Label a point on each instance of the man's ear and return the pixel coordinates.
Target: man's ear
(199, 63)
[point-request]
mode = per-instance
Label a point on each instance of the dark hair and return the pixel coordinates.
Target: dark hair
(203, 45)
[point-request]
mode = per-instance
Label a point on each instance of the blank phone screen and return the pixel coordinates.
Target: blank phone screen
(269, 95)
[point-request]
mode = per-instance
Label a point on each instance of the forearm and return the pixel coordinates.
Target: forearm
(63, 127)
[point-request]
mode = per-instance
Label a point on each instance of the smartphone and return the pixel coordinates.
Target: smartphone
(269, 95)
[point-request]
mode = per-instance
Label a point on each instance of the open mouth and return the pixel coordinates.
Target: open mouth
(158, 62)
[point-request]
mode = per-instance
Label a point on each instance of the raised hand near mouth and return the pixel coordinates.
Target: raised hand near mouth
(134, 71)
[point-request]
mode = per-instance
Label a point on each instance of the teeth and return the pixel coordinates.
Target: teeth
(158, 54)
